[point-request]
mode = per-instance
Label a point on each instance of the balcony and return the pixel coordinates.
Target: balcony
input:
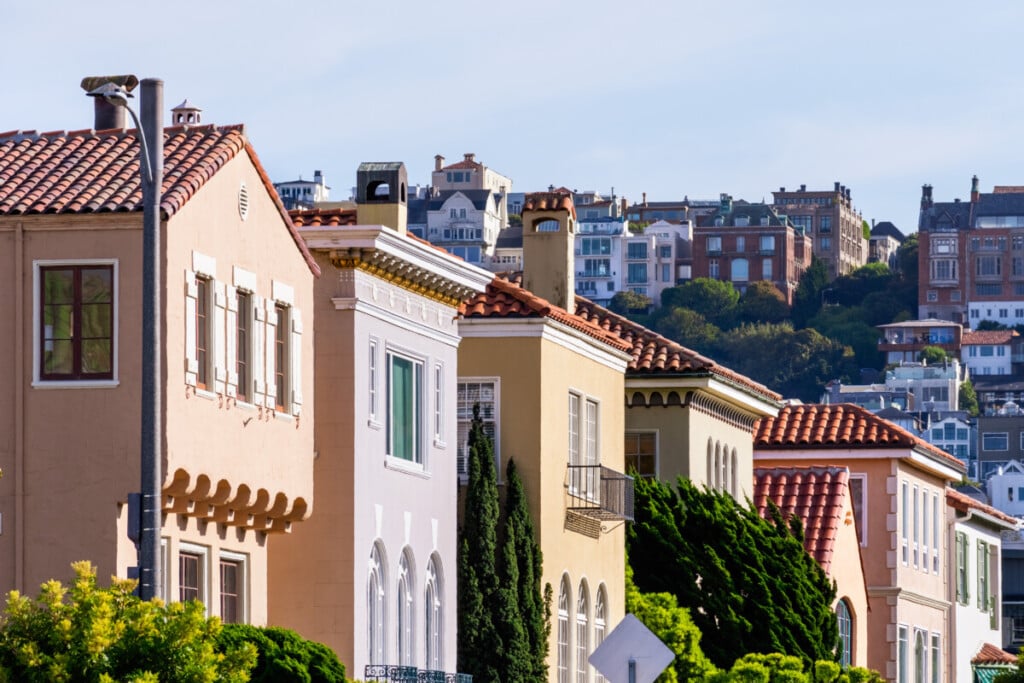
(410, 674)
(600, 493)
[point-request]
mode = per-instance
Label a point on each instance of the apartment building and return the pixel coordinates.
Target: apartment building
(829, 219)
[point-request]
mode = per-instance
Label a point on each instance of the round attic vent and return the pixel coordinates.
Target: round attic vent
(243, 202)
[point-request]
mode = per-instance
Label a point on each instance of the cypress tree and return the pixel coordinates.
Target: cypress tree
(523, 557)
(748, 582)
(480, 648)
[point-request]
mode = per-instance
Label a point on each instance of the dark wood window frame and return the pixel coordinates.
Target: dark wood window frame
(76, 338)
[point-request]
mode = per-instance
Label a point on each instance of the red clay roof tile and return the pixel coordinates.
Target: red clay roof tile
(550, 201)
(814, 495)
(654, 354)
(98, 171)
(504, 299)
(963, 503)
(993, 654)
(988, 337)
(842, 425)
(326, 218)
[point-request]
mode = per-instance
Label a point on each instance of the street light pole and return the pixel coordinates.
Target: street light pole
(151, 164)
(152, 133)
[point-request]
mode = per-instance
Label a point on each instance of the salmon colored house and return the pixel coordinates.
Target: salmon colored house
(373, 574)
(898, 483)
(550, 385)
(819, 497)
(237, 283)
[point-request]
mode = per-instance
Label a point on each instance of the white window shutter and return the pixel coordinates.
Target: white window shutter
(219, 328)
(191, 354)
(231, 327)
(271, 338)
(295, 356)
(258, 362)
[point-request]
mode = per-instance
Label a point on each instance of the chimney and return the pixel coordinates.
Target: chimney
(724, 203)
(849, 192)
(803, 187)
(186, 114)
(549, 233)
(645, 200)
(975, 193)
(926, 196)
(782, 189)
(318, 177)
(468, 157)
(381, 197)
(625, 205)
(438, 162)
(106, 115)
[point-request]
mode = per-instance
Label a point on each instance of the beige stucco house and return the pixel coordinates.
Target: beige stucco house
(550, 386)
(898, 483)
(373, 574)
(237, 285)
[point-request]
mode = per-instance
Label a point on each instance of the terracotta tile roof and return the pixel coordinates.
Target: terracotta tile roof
(842, 425)
(654, 354)
(505, 299)
(988, 337)
(993, 654)
(963, 503)
(550, 201)
(815, 495)
(87, 171)
(465, 163)
(322, 218)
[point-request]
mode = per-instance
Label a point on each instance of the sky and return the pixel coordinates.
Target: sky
(673, 98)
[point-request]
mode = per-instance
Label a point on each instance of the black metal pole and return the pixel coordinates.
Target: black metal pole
(150, 574)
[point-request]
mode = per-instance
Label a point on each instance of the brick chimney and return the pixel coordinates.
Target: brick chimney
(975, 192)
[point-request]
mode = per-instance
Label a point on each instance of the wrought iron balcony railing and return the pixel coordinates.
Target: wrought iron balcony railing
(391, 673)
(385, 673)
(600, 492)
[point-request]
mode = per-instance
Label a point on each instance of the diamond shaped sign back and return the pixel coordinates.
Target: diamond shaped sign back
(631, 641)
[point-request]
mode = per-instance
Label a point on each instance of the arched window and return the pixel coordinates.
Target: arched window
(582, 632)
(406, 583)
(733, 481)
(600, 622)
(434, 602)
(563, 631)
(845, 622)
(376, 607)
(711, 464)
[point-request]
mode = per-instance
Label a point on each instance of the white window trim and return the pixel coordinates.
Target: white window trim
(204, 572)
(37, 382)
(244, 588)
(373, 379)
(905, 522)
(438, 413)
(413, 466)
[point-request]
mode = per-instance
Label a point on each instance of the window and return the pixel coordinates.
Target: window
(825, 243)
(902, 662)
(916, 528)
(482, 392)
(713, 268)
(582, 630)
(232, 588)
(845, 623)
(995, 441)
(905, 521)
(740, 270)
(636, 251)
(666, 272)
(936, 658)
(432, 617)
(405, 407)
(77, 319)
(600, 623)
(642, 453)
(438, 404)
(714, 245)
(984, 598)
(376, 611)
(767, 244)
(192, 573)
(825, 224)
(406, 586)
(597, 267)
(936, 538)
(593, 246)
(583, 454)
(988, 266)
(741, 243)
(563, 631)
(943, 269)
(962, 569)
(766, 269)
(374, 344)
(242, 347)
(280, 356)
(920, 656)
(636, 273)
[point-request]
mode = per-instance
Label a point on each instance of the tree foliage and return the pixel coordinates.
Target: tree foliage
(807, 298)
(689, 328)
(932, 355)
(763, 302)
(716, 300)
(661, 613)
(504, 621)
(748, 582)
(628, 301)
(87, 633)
(284, 655)
(968, 398)
(480, 646)
(779, 668)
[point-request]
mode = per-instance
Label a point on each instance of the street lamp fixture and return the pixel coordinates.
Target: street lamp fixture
(151, 140)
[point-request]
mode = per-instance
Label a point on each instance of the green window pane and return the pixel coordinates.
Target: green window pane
(58, 357)
(96, 356)
(96, 320)
(59, 286)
